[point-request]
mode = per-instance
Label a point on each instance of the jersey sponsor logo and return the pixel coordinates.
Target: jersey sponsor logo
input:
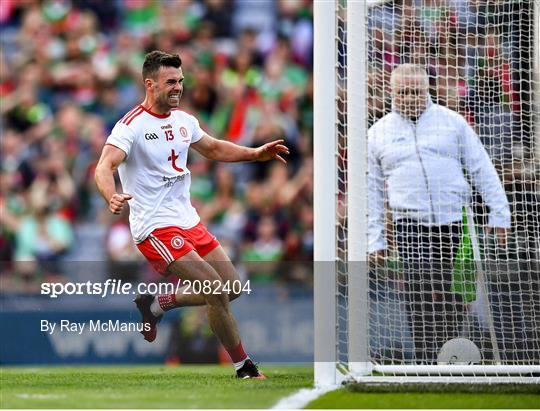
(166, 127)
(183, 131)
(151, 136)
(177, 242)
(170, 181)
(172, 158)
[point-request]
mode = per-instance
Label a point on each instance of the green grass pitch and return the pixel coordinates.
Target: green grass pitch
(147, 387)
(211, 387)
(347, 399)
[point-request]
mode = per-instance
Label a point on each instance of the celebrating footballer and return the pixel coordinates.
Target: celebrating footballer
(149, 147)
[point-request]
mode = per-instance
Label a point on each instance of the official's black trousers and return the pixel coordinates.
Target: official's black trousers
(435, 313)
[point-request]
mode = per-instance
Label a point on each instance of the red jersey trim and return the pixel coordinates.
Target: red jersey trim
(130, 112)
(155, 114)
(132, 116)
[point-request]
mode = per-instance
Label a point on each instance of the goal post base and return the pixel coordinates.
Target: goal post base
(442, 384)
(447, 374)
(458, 370)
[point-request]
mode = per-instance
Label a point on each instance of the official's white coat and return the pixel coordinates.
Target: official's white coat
(421, 166)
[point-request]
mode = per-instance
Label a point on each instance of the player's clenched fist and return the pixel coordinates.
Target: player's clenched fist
(117, 201)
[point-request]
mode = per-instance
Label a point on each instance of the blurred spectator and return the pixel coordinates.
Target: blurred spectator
(263, 254)
(40, 234)
(219, 14)
(223, 211)
(192, 340)
(493, 98)
(140, 16)
(125, 261)
(521, 178)
(247, 41)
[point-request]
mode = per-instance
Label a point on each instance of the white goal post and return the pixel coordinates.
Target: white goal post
(481, 324)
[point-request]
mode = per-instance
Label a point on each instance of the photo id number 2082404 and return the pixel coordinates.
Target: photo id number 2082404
(215, 287)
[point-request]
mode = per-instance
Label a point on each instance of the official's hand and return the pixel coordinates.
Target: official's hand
(378, 257)
(502, 235)
(117, 201)
(272, 151)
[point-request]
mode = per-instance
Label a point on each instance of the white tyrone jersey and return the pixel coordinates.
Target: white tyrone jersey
(154, 171)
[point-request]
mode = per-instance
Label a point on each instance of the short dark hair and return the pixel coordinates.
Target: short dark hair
(156, 59)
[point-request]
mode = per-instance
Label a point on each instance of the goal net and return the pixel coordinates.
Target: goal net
(427, 227)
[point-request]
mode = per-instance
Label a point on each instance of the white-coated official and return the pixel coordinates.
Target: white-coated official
(418, 155)
(419, 151)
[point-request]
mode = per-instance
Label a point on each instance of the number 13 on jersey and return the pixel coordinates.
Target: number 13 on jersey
(169, 136)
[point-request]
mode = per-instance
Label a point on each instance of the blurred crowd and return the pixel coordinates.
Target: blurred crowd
(69, 69)
(479, 57)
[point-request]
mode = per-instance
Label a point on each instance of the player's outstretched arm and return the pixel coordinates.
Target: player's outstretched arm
(110, 159)
(220, 150)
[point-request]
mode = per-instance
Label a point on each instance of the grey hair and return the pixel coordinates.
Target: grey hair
(408, 70)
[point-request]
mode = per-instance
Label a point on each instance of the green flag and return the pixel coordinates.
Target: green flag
(464, 274)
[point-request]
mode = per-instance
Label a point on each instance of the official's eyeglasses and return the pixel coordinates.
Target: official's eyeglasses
(411, 91)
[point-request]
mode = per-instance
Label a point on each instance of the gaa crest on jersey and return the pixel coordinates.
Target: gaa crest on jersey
(183, 132)
(177, 242)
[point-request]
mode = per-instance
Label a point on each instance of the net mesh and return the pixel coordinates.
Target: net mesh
(341, 195)
(444, 179)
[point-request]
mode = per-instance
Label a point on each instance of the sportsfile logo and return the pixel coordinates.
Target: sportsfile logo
(109, 287)
(119, 287)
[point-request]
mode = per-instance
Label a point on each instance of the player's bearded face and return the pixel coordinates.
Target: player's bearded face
(410, 96)
(170, 97)
(169, 87)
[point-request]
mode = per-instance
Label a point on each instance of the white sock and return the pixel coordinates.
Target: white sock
(155, 308)
(238, 365)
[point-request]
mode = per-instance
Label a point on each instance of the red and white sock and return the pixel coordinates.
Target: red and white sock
(162, 303)
(238, 356)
